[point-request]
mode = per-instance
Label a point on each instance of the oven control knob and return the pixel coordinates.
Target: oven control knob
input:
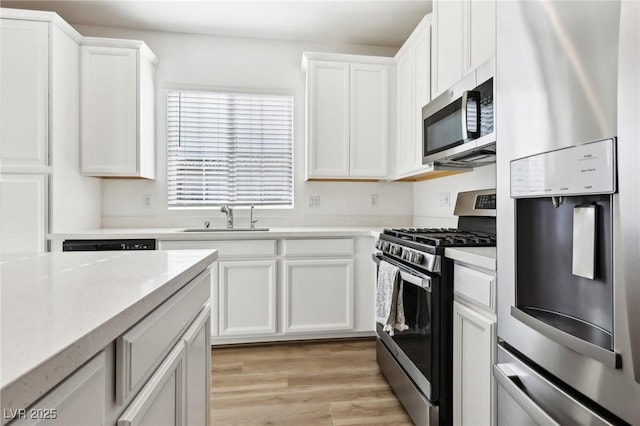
(379, 244)
(406, 255)
(416, 258)
(396, 251)
(386, 247)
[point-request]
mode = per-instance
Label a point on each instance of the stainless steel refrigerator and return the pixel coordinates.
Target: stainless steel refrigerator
(568, 220)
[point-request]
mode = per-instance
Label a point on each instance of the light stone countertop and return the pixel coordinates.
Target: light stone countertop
(223, 234)
(60, 309)
(483, 257)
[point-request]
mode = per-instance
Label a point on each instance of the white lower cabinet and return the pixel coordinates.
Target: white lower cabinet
(198, 342)
(157, 373)
(474, 346)
(318, 295)
(67, 404)
(267, 290)
(177, 393)
(162, 400)
(247, 292)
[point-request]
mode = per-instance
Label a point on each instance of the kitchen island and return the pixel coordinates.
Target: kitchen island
(124, 313)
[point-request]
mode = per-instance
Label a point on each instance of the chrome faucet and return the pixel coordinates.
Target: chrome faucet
(252, 223)
(229, 212)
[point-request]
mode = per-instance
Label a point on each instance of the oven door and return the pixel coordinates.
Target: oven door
(417, 348)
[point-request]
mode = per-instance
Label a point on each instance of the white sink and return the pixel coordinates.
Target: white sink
(223, 229)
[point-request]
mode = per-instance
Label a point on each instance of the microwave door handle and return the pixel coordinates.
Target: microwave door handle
(463, 108)
(474, 96)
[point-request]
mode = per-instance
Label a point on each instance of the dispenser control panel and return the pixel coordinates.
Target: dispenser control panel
(578, 170)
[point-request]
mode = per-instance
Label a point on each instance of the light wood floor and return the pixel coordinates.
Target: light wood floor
(323, 383)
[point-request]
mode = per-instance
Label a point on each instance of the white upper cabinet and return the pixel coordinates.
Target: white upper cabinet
(117, 108)
(369, 112)
(327, 119)
(24, 104)
(347, 110)
(448, 44)
(413, 82)
(482, 33)
(463, 39)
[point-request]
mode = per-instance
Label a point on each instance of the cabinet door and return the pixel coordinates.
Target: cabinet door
(327, 119)
(108, 101)
(67, 404)
(162, 400)
(318, 295)
(482, 32)
(406, 117)
(369, 112)
(215, 298)
(23, 212)
(422, 54)
(247, 292)
(448, 42)
(24, 104)
(473, 357)
(198, 385)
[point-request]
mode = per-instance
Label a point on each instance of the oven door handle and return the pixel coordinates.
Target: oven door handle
(407, 275)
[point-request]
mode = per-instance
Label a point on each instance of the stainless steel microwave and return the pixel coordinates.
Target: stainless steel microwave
(458, 125)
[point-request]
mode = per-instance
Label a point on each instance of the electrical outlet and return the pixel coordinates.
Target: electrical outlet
(373, 201)
(314, 201)
(445, 199)
(146, 201)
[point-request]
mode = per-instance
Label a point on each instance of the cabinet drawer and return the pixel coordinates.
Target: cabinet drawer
(162, 399)
(227, 249)
(476, 286)
(318, 247)
(141, 349)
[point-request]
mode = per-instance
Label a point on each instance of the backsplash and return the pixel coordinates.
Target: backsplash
(434, 200)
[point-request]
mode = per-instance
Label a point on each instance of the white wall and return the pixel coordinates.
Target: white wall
(428, 209)
(74, 202)
(199, 61)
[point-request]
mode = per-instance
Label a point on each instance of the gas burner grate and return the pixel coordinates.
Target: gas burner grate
(444, 237)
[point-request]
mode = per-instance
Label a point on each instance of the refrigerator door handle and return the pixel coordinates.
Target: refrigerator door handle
(506, 379)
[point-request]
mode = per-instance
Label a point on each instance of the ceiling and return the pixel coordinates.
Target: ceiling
(368, 22)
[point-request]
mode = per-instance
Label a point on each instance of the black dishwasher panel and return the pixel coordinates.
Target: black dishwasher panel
(109, 245)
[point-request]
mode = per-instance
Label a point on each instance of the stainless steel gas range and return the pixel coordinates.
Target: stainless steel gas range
(417, 362)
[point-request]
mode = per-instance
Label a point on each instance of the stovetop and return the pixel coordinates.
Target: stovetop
(443, 237)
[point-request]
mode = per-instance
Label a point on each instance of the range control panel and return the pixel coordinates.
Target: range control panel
(485, 201)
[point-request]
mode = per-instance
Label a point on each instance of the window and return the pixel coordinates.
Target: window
(229, 148)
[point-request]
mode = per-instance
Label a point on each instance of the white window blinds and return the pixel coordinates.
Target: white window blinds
(229, 148)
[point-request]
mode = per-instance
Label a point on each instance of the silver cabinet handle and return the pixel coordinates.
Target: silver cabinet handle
(534, 410)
